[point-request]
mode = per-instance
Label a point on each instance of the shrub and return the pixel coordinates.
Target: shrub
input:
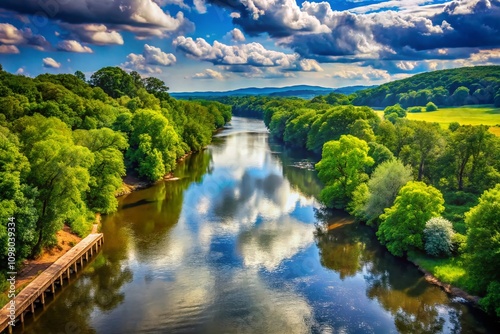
(459, 242)
(414, 109)
(491, 303)
(438, 234)
(431, 107)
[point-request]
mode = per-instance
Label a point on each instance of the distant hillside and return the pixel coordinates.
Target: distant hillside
(454, 87)
(303, 91)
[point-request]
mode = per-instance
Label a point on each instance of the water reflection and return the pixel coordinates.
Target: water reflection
(232, 245)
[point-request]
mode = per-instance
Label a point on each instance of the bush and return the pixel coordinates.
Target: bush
(459, 242)
(438, 234)
(414, 109)
(491, 303)
(431, 107)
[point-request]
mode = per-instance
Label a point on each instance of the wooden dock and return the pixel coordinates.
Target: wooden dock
(34, 292)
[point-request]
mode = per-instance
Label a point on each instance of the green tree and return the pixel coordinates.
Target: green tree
(80, 75)
(403, 224)
(438, 236)
(483, 242)
(431, 107)
(342, 168)
(460, 96)
(397, 109)
(383, 187)
(15, 198)
(161, 141)
(156, 87)
(108, 168)
(114, 81)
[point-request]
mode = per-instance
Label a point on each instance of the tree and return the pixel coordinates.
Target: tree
(438, 236)
(431, 107)
(483, 243)
(460, 96)
(156, 87)
(114, 81)
(426, 143)
(383, 187)
(15, 198)
(108, 168)
(153, 137)
(80, 75)
(59, 173)
(342, 169)
(397, 109)
(403, 224)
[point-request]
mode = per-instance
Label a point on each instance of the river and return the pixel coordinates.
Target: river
(238, 244)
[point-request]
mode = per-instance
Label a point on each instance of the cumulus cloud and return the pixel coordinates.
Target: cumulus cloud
(361, 74)
(236, 35)
(209, 74)
(149, 60)
(251, 54)
(8, 49)
(97, 34)
(144, 18)
(375, 31)
(73, 46)
(200, 6)
(10, 35)
(50, 63)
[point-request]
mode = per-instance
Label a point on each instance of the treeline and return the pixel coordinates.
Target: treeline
(417, 184)
(66, 143)
(454, 87)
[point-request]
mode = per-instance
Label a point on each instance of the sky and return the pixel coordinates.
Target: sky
(202, 45)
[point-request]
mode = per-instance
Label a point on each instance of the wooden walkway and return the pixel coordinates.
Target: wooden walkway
(46, 282)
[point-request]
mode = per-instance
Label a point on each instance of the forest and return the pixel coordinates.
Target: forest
(66, 143)
(431, 194)
(453, 87)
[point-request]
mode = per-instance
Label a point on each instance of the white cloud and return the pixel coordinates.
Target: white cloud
(361, 74)
(149, 60)
(73, 46)
(97, 34)
(8, 49)
(252, 54)
(209, 74)
(50, 63)
(236, 35)
(200, 6)
(10, 35)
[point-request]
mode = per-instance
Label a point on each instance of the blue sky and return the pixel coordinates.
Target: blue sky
(198, 45)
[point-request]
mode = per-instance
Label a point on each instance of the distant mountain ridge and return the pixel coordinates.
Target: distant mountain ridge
(304, 91)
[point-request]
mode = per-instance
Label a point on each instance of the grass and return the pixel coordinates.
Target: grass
(473, 115)
(447, 270)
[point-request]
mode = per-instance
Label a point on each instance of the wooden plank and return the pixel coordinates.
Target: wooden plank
(43, 281)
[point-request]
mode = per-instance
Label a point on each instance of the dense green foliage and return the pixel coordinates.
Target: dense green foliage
(342, 169)
(66, 144)
(380, 191)
(438, 235)
(403, 224)
(460, 86)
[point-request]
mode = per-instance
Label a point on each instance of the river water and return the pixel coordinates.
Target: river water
(238, 244)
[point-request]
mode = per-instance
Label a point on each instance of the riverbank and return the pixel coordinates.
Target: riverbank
(454, 291)
(132, 183)
(66, 240)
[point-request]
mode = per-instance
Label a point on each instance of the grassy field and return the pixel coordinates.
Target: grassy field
(473, 115)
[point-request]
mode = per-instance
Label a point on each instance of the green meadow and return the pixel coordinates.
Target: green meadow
(473, 115)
